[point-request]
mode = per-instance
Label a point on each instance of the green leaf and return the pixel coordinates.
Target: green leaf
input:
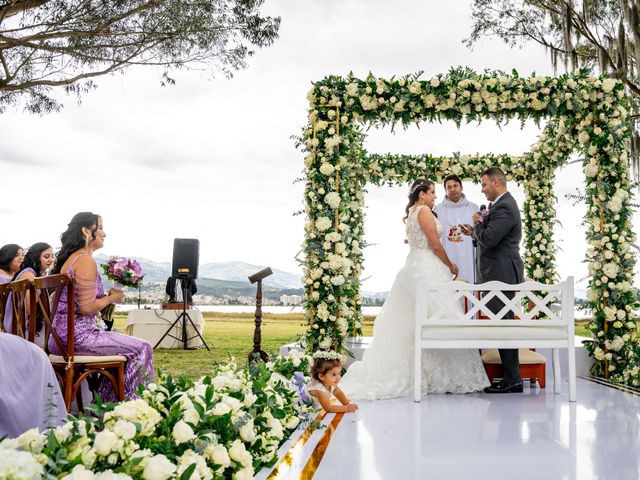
(187, 473)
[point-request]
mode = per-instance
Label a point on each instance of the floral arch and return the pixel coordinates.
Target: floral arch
(583, 114)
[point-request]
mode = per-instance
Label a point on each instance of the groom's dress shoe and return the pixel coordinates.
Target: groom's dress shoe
(515, 387)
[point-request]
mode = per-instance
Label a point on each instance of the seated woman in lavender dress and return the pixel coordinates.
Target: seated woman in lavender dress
(11, 257)
(30, 395)
(83, 236)
(37, 261)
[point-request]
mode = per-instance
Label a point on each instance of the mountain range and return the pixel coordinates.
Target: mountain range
(158, 272)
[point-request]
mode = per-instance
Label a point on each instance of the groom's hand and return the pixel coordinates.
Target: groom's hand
(467, 229)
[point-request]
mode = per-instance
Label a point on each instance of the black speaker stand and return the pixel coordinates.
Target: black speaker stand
(182, 317)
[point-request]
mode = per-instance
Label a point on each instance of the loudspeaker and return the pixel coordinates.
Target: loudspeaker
(186, 255)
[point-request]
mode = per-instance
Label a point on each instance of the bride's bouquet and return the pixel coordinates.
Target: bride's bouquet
(123, 271)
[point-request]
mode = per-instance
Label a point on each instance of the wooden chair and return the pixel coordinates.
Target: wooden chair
(532, 364)
(23, 310)
(5, 292)
(73, 369)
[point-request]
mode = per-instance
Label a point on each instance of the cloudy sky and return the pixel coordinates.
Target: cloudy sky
(213, 159)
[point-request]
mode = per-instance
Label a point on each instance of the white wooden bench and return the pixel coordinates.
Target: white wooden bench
(441, 323)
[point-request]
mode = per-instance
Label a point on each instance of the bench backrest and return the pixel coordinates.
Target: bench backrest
(528, 303)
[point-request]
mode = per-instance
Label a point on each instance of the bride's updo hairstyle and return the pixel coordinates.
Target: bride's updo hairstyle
(420, 185)
(73, 239)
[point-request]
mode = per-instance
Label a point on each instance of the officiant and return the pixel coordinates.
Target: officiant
(455, 210)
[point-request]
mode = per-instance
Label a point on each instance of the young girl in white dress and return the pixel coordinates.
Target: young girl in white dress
(325, 376)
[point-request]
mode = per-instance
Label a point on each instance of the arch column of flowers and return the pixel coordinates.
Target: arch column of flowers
(585, 114)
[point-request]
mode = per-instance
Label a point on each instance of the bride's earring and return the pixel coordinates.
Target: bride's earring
(86, 241)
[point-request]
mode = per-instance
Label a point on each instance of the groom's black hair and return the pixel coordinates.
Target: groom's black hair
(495, 173)
(451, 176)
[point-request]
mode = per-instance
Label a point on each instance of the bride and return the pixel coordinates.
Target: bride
(386, 369)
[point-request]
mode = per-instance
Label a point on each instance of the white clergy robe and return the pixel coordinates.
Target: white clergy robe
(458, 246)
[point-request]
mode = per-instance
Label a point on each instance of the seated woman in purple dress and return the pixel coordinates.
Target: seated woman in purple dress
(30, 395)
(11, 257)
(83, 236)
(37, 261)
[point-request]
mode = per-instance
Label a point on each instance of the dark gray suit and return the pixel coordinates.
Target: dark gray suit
(497, 240)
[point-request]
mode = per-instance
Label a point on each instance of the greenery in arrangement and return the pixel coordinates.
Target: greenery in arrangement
(598, 34)
(583, 113)
(225, 426)
(67, 43)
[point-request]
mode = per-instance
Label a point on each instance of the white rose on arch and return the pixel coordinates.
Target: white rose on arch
(327, 169)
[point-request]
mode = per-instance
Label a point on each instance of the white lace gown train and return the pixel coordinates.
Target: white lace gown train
(386, 369)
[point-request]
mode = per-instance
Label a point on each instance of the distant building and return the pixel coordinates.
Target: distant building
(290, 299)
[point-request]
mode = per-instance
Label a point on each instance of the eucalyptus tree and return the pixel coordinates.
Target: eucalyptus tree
(46, 44)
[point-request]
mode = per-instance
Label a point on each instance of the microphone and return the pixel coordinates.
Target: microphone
(482, 208)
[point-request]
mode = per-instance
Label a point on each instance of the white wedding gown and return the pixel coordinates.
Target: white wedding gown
(386, 369)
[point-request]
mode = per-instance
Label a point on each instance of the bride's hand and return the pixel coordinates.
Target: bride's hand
(454, 270)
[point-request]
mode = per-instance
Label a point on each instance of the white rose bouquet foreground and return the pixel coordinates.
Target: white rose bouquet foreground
(227, 426)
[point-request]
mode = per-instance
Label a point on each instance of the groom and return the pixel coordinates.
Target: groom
(497, 236)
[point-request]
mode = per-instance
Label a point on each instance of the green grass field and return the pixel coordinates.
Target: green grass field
(231, 335)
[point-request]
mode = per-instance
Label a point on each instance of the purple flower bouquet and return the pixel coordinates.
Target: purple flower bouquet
(125, 271)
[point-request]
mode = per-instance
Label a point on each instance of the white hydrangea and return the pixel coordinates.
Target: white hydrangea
(332, 199)
(136, 411)
(19, 465)
(610, 313)
(323, 223)
(323, 311)
(591, 170)
(616, 344)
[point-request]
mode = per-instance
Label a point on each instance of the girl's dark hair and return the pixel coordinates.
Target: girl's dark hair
(321, 366)
(73, 238)
(32, 258)
(420, 185)
(7, 254)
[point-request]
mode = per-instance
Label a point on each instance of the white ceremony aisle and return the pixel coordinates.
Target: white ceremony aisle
(535, 435)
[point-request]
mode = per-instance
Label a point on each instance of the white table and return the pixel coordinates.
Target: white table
(150, 325)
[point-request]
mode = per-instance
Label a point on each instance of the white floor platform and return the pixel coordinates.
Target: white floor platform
(533, 435)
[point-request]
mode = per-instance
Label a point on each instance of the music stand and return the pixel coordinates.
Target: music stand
(182, 317)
